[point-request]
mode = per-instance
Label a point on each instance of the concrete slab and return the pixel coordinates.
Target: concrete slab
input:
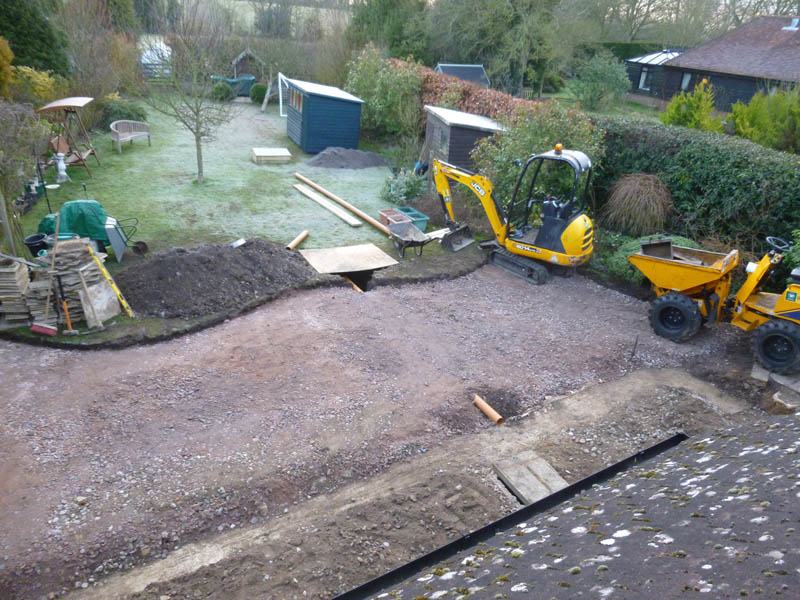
(529, 476)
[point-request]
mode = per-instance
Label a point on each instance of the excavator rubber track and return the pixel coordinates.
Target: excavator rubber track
(525, 268)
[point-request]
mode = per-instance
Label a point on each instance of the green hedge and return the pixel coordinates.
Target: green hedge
(625, 50)
(721, 185)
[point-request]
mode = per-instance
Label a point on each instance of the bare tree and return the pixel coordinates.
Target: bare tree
(182, 86)
(21, 133)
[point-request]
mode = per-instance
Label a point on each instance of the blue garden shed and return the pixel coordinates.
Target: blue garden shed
(319, 116)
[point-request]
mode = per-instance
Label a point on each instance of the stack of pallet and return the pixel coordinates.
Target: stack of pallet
(72, 256)
(13, 288)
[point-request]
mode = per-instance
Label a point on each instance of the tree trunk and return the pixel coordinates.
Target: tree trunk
(199, 146)
(6, 226)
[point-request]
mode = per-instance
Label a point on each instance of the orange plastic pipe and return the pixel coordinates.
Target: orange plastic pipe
(488, 410)
(296, 241)
(347, 205)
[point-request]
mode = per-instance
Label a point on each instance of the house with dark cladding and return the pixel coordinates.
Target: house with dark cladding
(761, 54)
(646, 72)
(717, 515)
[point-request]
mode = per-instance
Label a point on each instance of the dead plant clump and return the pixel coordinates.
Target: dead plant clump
(639, 205)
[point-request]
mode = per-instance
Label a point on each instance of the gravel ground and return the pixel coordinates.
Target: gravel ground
(114, 458)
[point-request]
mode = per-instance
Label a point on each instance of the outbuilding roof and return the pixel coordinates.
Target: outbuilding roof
(463, 119)
(318, 89)
(655, 58)
(474, 73)
(715, 515)
(766, 48)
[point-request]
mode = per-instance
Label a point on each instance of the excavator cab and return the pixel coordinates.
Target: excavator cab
(551, 188)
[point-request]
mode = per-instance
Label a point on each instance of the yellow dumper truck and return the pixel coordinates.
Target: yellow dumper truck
(692, 288)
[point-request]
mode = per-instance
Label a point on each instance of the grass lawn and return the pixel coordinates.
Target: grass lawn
(238, 199)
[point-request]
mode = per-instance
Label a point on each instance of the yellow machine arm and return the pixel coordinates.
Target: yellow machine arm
(480, 185)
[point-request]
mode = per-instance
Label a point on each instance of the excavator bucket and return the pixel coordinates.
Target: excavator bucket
(458, 238)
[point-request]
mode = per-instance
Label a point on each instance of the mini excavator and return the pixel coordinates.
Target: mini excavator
(535, 228)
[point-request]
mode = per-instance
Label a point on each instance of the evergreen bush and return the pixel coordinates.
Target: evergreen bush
(257, 93)
(695, 110)
(221, 92)
(403, 188)
(601, 80)
(721, 185)
(118, 109)
(534, 128)
(390, 91)
(771, 119)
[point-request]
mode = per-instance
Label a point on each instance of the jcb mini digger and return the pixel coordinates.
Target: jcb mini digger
(692, 288)
(565, 237)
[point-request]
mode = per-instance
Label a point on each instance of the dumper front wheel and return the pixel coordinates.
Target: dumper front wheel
(675, 317)
(776, 343)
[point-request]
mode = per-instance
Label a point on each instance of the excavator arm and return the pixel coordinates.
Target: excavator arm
(481, 186)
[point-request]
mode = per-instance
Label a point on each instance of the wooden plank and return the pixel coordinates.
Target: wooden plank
(348, 259)
(342, 214)
(376, 224)
(529, 476)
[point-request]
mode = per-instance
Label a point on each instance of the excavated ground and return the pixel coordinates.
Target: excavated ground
(328, 436)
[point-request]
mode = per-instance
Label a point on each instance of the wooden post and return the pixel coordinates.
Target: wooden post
(296, 241)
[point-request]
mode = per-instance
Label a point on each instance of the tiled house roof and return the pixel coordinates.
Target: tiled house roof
(716, 515)
(766, 48)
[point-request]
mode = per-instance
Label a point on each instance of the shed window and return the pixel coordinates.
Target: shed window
(687, 79)
(644, 78)
(296, 99)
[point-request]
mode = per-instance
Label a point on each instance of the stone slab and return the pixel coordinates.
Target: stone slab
(759, 373)
(529, 476)
(791, 382)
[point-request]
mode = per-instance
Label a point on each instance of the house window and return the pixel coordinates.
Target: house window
(687, 79)
(645, 77)
(296, 99)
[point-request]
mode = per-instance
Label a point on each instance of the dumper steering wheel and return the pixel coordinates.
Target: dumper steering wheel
(778, 243)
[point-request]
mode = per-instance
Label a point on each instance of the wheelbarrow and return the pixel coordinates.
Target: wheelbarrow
(407, 235)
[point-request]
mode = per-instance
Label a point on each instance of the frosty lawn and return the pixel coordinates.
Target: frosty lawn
(238, 199)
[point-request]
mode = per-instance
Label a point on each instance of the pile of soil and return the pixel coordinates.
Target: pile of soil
(211, 279)
(346, 158)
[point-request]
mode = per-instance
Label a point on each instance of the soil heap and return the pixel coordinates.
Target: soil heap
(211, 278)
(346, 158)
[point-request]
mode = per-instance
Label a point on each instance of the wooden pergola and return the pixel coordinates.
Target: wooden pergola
(64, 112)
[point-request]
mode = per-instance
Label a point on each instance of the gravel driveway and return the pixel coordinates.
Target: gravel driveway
(113, 458)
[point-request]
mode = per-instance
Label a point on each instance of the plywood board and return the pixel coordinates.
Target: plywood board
(348, 259)
(529, 476)
(325, 203)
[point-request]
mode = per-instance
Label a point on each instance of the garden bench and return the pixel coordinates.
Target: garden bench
(122, 131)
